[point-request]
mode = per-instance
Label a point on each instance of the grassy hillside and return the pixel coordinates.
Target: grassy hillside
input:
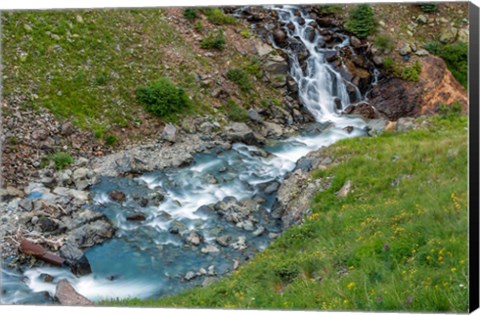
(86, 65)
(398, 241)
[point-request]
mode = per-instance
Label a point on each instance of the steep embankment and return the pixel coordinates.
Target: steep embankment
(387, 232)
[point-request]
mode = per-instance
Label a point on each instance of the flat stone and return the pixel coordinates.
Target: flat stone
(67, 295)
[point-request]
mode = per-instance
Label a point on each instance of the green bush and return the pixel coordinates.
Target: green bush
(214, 40)
(428, 7)
(384, 41)
(455, 56)
(190, 14)
(235, 112)
(218, 17)
(412, 73)
(61, 159)
(163, 98)
(241, 78)
(360, 21)
(451, 112)
(389, 64)
(110, 140)
(199, 26)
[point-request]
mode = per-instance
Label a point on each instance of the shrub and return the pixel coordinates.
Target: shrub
(455, 56)
(389, 64)
(235, 112)
(361, 21)
(61, 159)
(241, 78)
(163, 98)
(214, 40)
(110, 140)
(412, 73)
(218, 17)
(450, 112)
(199, 26)
(190, 14)
(428, 7)
(384, 41)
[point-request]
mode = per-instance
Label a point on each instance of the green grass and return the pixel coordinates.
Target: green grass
(218, 17)
(241, 78)
(397, 242)
(61, 159)
(214, 40)
(384, 41)
(235, 112)
(86, 65)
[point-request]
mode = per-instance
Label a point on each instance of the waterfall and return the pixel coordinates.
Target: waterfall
(319, 84)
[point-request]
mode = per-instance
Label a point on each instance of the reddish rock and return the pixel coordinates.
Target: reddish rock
(363, 109)
(398, 98)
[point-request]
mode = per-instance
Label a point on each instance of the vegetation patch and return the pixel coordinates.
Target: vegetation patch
(410, 73)
(428, 7)
(190, 14)
(214, 40)
(455, 56)
(384, 41)
(163, 98)
(241, 78)
(397, 242)
(218, 17)
(235, 112)
(61, 160)
(361, 21)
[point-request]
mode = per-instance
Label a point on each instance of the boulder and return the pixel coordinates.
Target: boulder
(397, 98)
(254, 116)
(362, 109)
(66, 295)
(169, 133)
(345, 190)
(280, 37)
(76, 259)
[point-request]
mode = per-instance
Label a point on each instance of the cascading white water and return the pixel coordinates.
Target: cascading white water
(188, 189)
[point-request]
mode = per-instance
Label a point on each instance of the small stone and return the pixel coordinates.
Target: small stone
(190, 276)
(169, 133)
(422, 19)
(405, 50)
(248, 225)
(421, 52)
(34, 220)
(27, 28)
(210, 249)
(79, 18)
(117, 196)
(259, 231)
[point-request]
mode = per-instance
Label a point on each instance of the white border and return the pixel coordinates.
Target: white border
(72, 4)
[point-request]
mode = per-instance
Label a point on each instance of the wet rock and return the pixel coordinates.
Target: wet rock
(210, 249)
(327, 22)
(136, 217)
(76, 259)
(331, 56)
(240, 132)
(355, 42)
(211, 270)
(177, 227)
(193, 238)
(348, 129)
(345, 190)
(46, 278)
(117, 196)
(240, 244)
(223, 240)
(91, 234)
(259, 231)
(363, 109)
(272, 187)
(67, 295)
(190, 276)
(248, 225)
(169, 133)
(280, 37)
(47, 225)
